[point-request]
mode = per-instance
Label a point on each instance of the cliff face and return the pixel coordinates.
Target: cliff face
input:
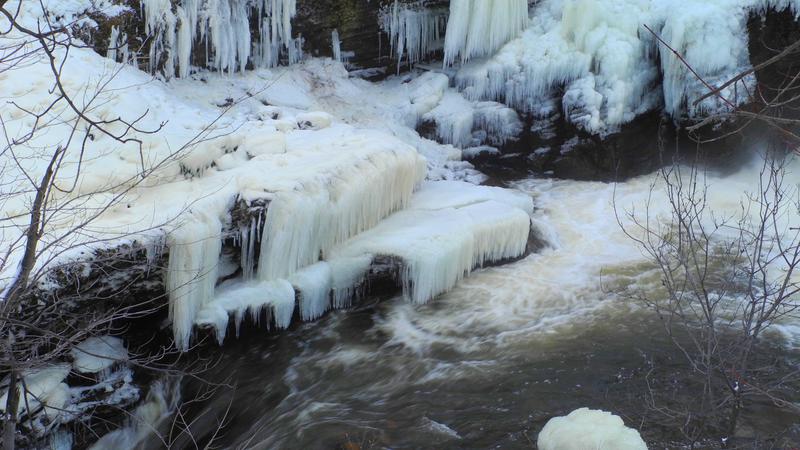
(358, 23)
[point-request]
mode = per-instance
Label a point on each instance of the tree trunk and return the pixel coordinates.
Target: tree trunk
(736, 409)
(12, 407)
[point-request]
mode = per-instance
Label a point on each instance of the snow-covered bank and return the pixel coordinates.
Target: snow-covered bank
(97, 377)
(328, 158)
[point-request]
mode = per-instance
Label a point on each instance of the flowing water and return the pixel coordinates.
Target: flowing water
(484, 366)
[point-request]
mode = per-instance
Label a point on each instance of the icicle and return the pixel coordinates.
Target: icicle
(239, 299)
(123, 53)
(500, 122)
(118, 46)
(154, 250)
(314, 285)
(302, 225)
(113, 39)
(414, 30)
(336, 45)
(248, 237)
(454, 118)
(223, 26)
(480, 27)
(295, 51)
(347, 273)
(160, 27)
(187, 33)
(449, 229)
(194, 250)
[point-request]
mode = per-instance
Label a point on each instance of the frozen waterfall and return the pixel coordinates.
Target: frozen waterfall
(222, 27)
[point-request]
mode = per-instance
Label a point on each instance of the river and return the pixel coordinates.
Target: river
(486, 365)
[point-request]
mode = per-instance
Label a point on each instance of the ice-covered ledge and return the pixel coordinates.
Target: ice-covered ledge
(447, 230)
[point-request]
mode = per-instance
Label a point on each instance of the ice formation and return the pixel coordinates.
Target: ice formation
(97, 354)
(457, 118)
(223, 27)
(454, 118)
(162, 400)
(449, 229)
(479, 27)
(192, 272)
(118, 46)
(336, 45)
(586, 428)
(414, 31)
(314, 180)
(238, 299)
(314, 284)
(44, 389)
(606, 62)
(303, 224)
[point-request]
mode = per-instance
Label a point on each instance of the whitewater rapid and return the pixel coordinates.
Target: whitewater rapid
(484, 364)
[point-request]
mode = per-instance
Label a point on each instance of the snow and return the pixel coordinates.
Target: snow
(44, 389)
(97, 354)
(329, 157)
(586, 428)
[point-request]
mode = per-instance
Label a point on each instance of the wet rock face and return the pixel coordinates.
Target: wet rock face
(357, 24)
(552, 147)
(363, 44)
(769, 34)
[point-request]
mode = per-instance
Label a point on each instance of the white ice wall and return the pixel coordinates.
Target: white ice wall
(605, 61)
(479, 27)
